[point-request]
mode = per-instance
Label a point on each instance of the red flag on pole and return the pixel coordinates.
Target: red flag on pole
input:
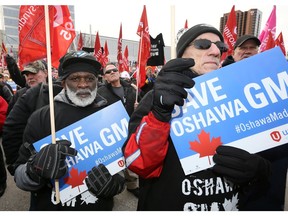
(3, 49)
(125, 60)
(97, 48)
(2, 53)
(270, 42)
(119, 53)
(32, 33)
(186, 24)
(144, 48)
(105, 58)
(80, 42)
(280, 42)
(230, 33)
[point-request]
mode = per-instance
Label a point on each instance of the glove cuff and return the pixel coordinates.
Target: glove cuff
(163, 115)
(31, 173)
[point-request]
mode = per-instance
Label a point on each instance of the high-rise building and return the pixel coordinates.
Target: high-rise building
(248, 22)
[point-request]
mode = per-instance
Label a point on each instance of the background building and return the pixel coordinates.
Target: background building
(248, 22)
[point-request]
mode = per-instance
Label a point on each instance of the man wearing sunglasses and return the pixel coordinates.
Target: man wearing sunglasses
(149, 150)
(245, 47)
(114, 90)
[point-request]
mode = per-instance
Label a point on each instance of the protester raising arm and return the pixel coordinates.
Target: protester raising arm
(145, 151)
(14, 71)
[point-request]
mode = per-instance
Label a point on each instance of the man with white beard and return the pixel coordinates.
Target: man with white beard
(35, 170)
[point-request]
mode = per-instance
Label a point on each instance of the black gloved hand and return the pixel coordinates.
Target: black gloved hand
(49, 162)
(9, 60)
(239, 166)
(102, 184)
(169, 87)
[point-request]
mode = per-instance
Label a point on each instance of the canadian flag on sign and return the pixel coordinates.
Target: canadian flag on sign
(32, 33)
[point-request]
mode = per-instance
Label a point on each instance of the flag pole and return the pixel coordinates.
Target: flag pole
(50, 85)
(173, 52)
(139, 66)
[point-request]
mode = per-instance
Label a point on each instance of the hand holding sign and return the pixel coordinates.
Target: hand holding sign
(240, 166)
(49, 162)
(169, 87)
(102, 184)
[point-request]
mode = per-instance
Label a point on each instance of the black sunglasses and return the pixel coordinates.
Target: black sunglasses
(111, 70)
(204, 44)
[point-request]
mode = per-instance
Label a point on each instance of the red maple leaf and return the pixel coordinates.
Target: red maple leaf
(205, 147)
(74, 179)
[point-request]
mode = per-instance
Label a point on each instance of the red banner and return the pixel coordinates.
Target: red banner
(270, 42)
(32, 33)
(119, 53)
(97, 48)
(144, 48)
(186, 24)
(80, 42)
(280, 42)
(230, 33)
(125, 60)
(105, 55)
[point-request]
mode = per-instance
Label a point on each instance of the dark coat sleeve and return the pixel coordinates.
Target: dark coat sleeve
(15, 124)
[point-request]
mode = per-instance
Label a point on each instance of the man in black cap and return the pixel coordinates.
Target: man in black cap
(34, 171)
(150, 152)
(245, 46)
(34, 73)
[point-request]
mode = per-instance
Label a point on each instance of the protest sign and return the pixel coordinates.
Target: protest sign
(98, 139)
(244, 105)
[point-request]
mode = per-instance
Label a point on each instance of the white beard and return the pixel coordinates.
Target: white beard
(78, 101)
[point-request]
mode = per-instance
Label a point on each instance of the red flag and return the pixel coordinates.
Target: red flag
(125, 60)
(230, 33)
(105, 58)
(186, 24)
(97, 48)
(3, 49)
(119, 53)
(80, 42)
(144, 48)
(32, 33)
(280, 42)
(270, 42)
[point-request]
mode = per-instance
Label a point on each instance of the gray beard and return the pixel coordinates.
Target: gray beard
(81, 102)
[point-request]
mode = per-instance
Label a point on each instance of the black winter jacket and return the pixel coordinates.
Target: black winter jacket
(16, 121)
(37, 128)
(129, 95)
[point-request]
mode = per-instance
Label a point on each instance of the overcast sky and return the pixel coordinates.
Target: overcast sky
(107, 15)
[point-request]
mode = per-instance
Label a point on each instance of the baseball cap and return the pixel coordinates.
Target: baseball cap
(34, 67)
(189, 35)
(125, 75)
(244, 38)
(78, 61)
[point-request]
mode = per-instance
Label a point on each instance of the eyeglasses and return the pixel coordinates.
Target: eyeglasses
(111, 70)
(204, 44)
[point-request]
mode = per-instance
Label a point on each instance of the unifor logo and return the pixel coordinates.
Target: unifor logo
(276, 136)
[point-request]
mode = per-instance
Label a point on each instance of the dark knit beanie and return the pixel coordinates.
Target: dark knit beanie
(193, 33)
(76, 67)
(78, 61)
